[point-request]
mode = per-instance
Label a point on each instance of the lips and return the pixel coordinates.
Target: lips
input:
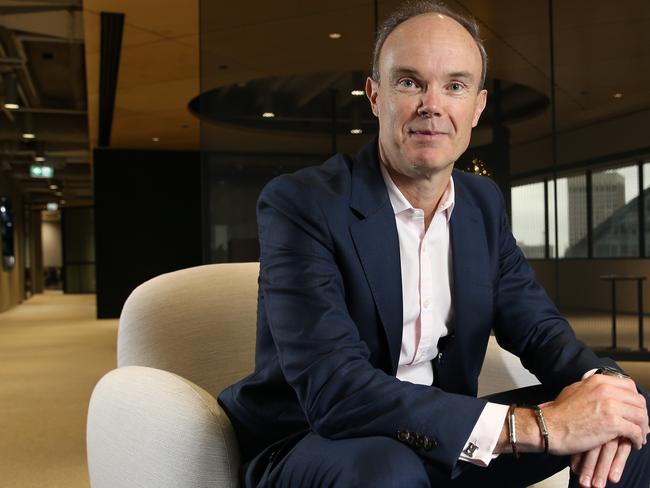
(425, 132)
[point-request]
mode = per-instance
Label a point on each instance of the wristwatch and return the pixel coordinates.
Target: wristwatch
(609, 371)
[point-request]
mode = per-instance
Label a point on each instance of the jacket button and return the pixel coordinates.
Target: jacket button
(412, 438)
(403, 435)
(419, 440)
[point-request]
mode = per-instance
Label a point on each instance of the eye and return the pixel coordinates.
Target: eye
(456, 86)
(406, 84)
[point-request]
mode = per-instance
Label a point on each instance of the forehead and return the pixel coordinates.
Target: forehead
(431, 40)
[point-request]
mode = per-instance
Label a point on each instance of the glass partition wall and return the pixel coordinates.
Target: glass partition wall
(564, 134)
(282, 87)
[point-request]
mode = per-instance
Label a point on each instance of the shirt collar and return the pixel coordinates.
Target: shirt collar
(400, 203)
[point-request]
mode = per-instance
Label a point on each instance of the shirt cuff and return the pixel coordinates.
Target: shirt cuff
(480, 445)
(589, 373)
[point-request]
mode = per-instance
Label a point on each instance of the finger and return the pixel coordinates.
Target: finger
(618, 464)
(576, 461)
(605, 458)
(586, 469)
(630, 431)
(633, 433)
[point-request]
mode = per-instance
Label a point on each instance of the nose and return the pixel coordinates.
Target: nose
(430, 104)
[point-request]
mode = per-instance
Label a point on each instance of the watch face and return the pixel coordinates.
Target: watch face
(609, 371)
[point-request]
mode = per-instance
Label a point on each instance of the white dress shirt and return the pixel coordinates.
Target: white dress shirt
(425, 259)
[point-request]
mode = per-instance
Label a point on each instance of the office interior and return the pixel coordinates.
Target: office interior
(162, 120)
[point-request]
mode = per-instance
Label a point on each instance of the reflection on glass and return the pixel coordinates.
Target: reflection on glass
(615, 210)
(528, 218)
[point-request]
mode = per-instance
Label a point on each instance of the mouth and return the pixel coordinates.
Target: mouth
(425, 133)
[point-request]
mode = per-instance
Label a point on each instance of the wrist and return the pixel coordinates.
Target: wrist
(528, 433)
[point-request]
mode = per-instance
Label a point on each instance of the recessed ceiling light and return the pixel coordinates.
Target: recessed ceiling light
(618, 95)
(357, 93)
(268, 115)
(356, 131)
(155, 139)
(28, 135)
(52, 207)
(12, 106)
(39, 159)
(62, 202)
(58, 194)
(334, 35)
(54, 187)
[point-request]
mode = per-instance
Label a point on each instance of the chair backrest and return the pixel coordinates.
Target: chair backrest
(198, 323)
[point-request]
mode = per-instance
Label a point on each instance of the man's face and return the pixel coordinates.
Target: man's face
(428, 97)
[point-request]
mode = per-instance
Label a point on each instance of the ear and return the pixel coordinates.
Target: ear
(372, 92)
(481, 100)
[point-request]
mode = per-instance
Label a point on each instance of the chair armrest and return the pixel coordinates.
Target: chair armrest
(151, 428)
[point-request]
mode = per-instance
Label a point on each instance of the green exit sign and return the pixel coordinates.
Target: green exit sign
(41, 171)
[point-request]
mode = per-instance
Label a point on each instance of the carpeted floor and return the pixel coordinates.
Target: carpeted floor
(53, 352)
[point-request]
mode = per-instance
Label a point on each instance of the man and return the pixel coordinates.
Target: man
(381, 278)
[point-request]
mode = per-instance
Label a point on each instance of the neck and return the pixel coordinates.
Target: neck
(423, 192)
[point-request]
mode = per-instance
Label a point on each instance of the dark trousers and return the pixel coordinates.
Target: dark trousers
(309, 460)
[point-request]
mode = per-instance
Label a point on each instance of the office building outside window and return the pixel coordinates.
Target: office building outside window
(615, 210)
(573, 217)
(528, 219)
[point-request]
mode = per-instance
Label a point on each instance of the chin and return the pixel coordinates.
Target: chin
(430, 161)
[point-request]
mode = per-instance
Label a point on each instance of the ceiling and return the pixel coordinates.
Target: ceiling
(600, 50)
(41, 47)
(170, 54)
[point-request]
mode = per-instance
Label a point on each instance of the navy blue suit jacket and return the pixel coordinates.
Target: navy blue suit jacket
(330, 314)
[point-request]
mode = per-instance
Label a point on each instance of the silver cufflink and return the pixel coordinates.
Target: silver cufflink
(470, 449)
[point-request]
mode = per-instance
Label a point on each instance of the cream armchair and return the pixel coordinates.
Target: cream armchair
(183, 337)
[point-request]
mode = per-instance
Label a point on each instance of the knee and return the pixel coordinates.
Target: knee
(387, 463)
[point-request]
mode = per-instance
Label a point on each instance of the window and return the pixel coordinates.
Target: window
(572, 216)
(528, 219)
(615, 212)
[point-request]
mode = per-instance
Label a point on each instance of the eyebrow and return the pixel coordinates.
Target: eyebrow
(406, 71)
(465, 75)
(403, 71)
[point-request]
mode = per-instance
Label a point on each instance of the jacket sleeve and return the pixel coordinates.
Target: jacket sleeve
(319, 348)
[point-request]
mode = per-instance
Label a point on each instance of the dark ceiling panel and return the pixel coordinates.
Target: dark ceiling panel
(112, 26)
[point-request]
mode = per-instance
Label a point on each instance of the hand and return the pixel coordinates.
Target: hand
(602, 463)
(590, 413)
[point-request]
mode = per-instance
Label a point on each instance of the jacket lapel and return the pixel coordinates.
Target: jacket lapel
(468, 244)
(377, 244)
(472, 295)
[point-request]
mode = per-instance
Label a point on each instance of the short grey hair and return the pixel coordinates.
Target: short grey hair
(411, 9)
